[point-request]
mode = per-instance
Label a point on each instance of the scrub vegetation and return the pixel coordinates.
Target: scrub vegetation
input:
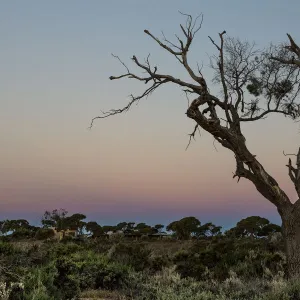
(138, 261)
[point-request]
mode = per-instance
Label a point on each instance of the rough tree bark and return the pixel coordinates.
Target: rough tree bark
(291, 214)
(241, 72)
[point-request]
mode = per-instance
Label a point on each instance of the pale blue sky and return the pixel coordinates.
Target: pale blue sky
(55, 63)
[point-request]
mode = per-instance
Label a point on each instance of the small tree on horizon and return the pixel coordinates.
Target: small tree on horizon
(254, 85)
(209, 230)
(94, 228)
(159, 227)
(254, 227)
(185, 227)
(75, 222)
(55, 218)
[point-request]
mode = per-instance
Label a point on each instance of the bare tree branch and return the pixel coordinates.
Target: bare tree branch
(192, 135)
(222, 72)
(237, 66)
(134, 99)
(289, 154)
(183, 48)
(293, 48)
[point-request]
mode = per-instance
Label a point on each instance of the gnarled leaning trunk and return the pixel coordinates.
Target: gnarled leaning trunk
(238, 68)
(291, 235)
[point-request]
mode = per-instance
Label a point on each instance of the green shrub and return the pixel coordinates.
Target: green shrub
(135, 255)
(44, 233)
(246, 257)
(6, 248)
(67, 239)
(60, 249)
(39, 284)
(215, 269)
(100, 245)
(67, 278)
(288, 291)
(38, 256)
(157, 263)
(96, 271)
(22, 233)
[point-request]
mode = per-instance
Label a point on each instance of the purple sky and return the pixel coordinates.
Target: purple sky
(55, 61)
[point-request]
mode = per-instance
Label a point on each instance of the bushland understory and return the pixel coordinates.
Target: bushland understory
(210, 268)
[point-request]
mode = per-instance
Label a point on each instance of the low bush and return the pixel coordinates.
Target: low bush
(6, 248)
(136, 255)
(97, 271)
(44, 233)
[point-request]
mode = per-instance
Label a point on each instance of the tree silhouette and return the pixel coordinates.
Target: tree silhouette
(271, 76)
(185, 228)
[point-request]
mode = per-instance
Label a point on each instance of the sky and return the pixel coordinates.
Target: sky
(55, 63)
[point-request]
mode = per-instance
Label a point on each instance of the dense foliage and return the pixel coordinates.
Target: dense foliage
(197, 262)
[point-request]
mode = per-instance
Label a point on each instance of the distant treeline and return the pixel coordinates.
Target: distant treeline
(186, 228)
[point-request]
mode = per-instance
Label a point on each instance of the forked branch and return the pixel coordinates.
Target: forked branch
(192, 135)
(182, 49)
(222, 72)
(294, 49)
(134, 99)
(236, 66)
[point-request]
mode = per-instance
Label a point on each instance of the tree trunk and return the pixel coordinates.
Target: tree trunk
(291, 235)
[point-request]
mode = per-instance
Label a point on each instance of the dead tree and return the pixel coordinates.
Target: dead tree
(253, 86)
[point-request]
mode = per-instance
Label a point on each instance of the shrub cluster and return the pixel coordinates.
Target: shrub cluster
(218, 268)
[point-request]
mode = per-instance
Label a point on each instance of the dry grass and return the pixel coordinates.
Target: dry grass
(26, 244)
(100, 295)
(165, 247)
